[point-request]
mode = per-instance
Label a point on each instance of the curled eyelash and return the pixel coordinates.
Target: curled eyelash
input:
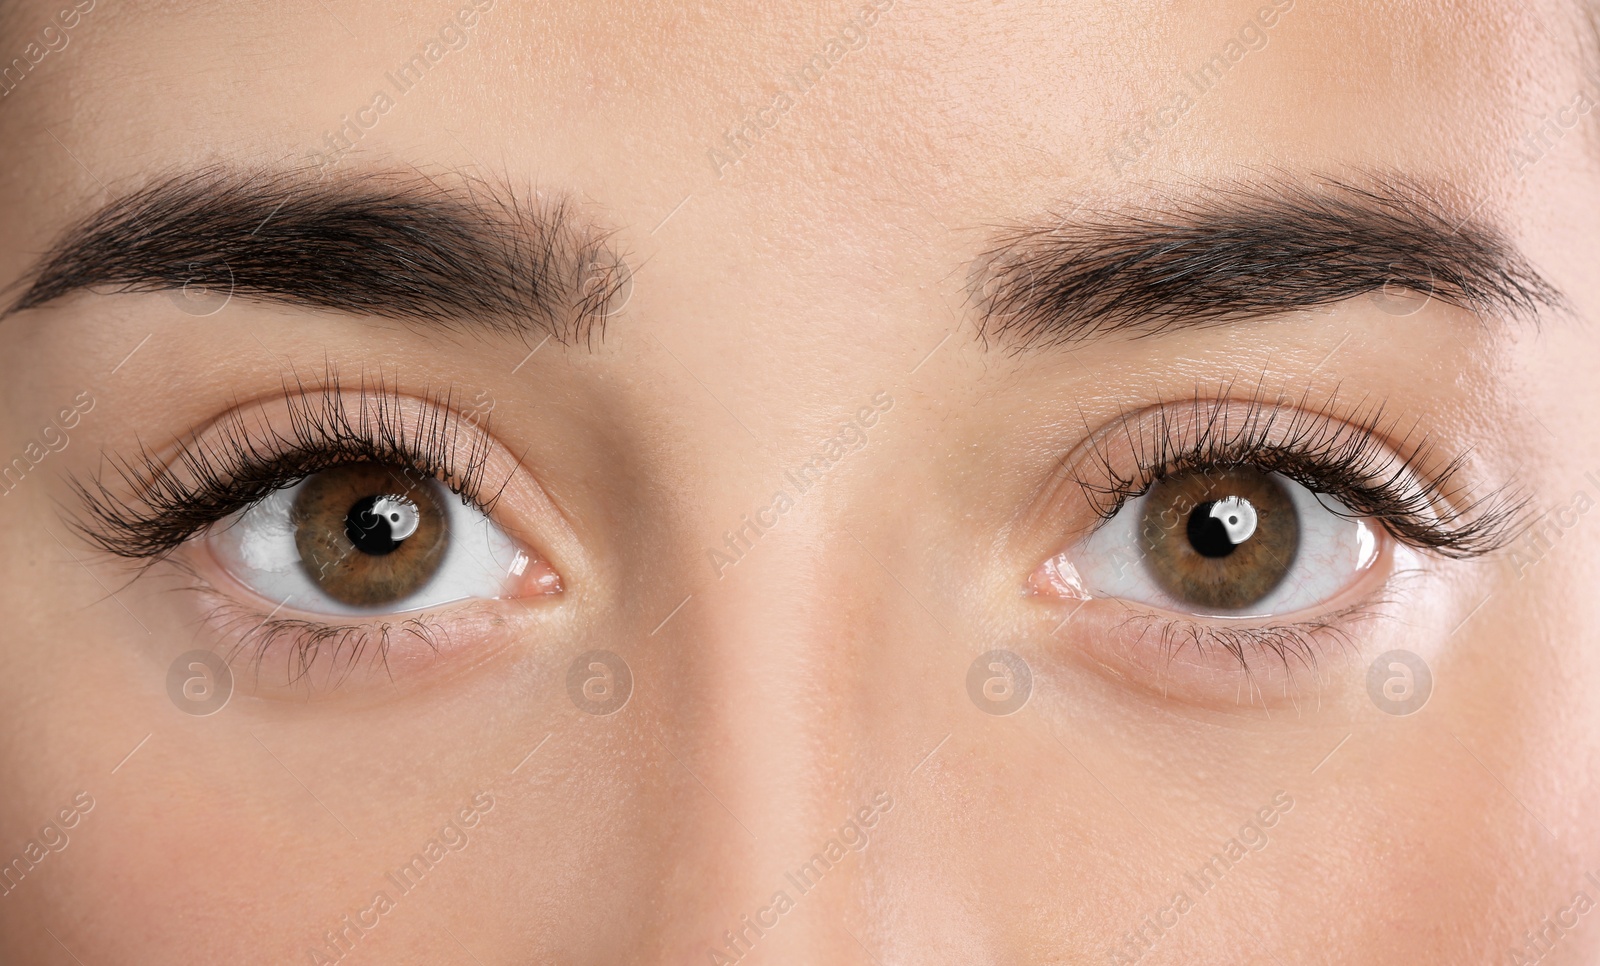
(149, 508)
(1349, 461)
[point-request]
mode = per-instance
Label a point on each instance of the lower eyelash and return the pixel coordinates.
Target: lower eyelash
(302, 641)
(305, 641)
(1302, 643)
(1299, 642)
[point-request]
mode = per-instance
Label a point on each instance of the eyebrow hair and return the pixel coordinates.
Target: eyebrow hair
(397, 245)
(1243, 251)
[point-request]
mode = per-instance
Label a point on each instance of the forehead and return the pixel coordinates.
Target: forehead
(805, 115)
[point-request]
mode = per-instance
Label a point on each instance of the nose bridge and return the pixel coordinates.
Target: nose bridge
(768, 721)
(771, 676)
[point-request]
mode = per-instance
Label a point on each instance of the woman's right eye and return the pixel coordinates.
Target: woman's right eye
(368, 538)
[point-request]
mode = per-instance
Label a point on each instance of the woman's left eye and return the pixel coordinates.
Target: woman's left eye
(1235, 542)
(365, 538)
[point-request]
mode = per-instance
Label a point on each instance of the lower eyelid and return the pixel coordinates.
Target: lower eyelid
(1283, 663)
(288, 648)
(1221, 666)
(278, 651)
(274, 655)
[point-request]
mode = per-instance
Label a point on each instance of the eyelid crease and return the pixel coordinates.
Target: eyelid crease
(1348, 460)
(234, 463)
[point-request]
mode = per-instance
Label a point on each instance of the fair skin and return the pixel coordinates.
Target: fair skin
(824, 672)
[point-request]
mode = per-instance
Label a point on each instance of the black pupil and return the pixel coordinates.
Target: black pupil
(369, 531)
(1208, 535)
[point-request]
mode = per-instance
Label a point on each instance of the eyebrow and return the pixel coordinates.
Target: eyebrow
(459, 255)
(1243, 251)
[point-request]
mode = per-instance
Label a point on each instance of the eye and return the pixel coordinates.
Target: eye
(1235, 542)
(365, 538)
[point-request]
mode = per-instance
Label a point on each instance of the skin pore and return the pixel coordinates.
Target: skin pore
(680, 260)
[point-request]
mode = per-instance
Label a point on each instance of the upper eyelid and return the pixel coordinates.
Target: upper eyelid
(1349, 458)
(232, 462)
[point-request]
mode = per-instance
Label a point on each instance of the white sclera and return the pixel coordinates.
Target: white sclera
(256, 546)
(1335, 548)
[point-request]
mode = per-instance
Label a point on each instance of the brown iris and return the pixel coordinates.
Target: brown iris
(1219, 539)
(369, 535)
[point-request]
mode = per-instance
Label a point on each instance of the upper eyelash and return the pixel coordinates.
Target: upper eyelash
(152, 507)
(1347, 460)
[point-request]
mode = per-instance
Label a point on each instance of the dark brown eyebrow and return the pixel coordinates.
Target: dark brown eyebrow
(1243, 251)
(462, 254)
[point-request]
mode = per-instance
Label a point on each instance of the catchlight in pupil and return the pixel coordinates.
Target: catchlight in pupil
(377, 524)
(1216, 527)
